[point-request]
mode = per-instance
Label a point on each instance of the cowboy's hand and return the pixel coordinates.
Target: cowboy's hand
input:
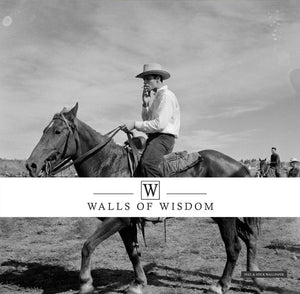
(129, 126)
(146, 96)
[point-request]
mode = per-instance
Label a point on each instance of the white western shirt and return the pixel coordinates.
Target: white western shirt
(162, 116)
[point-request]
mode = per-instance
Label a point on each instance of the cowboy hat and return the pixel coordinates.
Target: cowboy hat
(153, 69)
(294, 160)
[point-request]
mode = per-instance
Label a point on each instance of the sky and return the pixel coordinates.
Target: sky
(234, 65)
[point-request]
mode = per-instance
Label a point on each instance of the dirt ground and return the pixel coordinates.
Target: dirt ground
(42, 255)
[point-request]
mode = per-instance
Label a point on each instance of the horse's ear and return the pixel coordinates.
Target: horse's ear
(73, 112)
(259, 159)
(266, 159)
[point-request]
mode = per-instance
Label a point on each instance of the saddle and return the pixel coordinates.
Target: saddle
(171, 165)
(140, 223)
(178, 162)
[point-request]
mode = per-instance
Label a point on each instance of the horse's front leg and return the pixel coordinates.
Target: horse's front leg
(230, 238)
(108, 227)
(129, 237)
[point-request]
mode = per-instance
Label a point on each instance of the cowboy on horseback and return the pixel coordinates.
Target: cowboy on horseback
(161, 120)
(95, 155)
(275, 162)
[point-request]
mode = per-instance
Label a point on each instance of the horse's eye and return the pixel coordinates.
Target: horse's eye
(57, 132)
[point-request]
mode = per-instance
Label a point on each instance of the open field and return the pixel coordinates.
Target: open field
(42, 255)
(16, 168)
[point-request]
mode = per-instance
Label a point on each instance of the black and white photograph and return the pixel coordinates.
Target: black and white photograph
(150, 89)
(43, 255)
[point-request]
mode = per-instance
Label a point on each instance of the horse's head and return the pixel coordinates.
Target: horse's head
(264, 167)
(57, 143)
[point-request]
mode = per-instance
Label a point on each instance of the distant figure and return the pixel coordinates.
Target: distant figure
(275, 162)
(294, 172)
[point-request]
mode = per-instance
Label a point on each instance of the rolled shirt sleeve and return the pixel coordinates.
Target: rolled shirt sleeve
(160, 122)
(163, 116)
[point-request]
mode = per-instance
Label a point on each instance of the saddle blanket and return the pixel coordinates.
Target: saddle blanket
(178, 162)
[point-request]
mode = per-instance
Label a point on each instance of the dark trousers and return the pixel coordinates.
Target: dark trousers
(276, 172)
(157, 146)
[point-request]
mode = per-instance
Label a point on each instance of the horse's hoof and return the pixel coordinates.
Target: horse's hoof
(260, 283)
(135, 289)
(215, 289)
(86, 289)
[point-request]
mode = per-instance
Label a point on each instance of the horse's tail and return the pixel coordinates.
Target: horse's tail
(249, 226)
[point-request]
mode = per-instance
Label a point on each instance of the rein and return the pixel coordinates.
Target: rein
(63, 165)
(263, 174)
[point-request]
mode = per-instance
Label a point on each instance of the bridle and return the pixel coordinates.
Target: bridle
(263, 174)
(64, 164)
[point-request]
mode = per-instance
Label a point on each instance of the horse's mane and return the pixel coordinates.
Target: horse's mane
(113, 146)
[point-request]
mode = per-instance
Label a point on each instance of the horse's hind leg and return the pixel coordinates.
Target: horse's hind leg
(129, 237)
(108, 227)
(230, 238)
(249, 231)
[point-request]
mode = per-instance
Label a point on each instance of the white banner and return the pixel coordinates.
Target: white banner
(149, 197)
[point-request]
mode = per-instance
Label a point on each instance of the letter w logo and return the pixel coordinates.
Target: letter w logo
(150, 190)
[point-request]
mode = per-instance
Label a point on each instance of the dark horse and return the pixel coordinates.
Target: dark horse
(265, 171)
(67, 136)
